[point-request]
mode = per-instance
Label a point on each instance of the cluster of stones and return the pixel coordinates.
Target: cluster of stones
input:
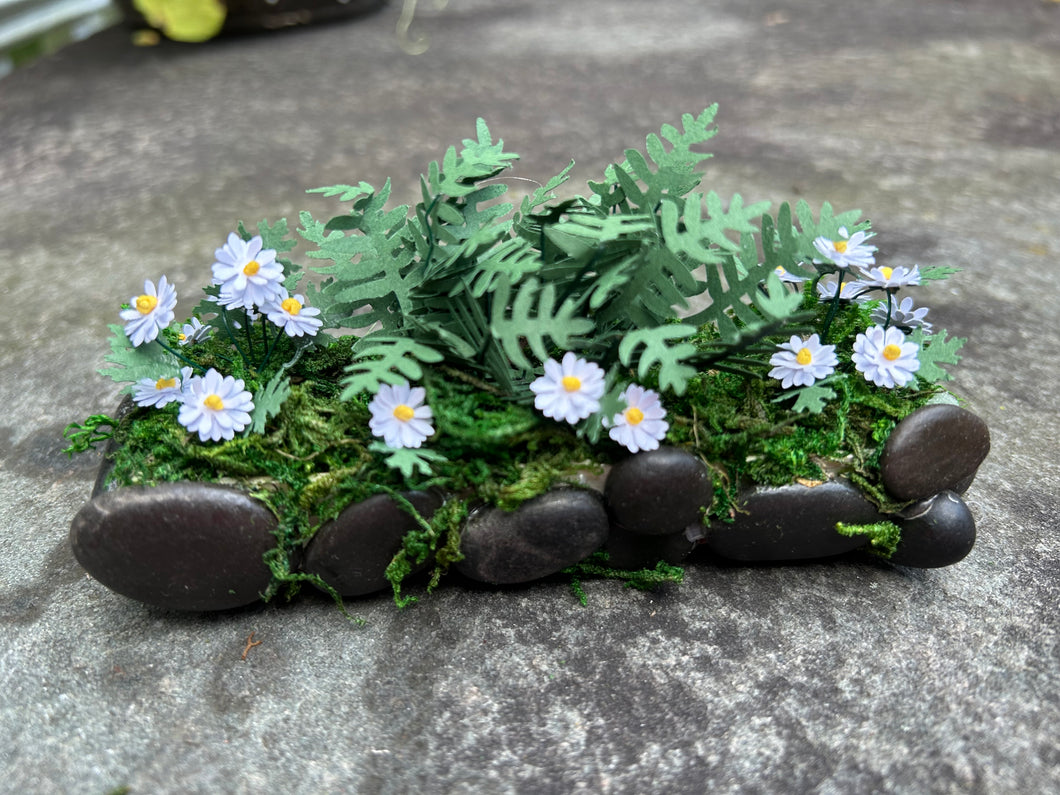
(194, 546)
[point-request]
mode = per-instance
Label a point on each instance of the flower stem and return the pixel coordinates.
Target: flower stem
(250, 340)
(270, 348)
(232, 336)
(180, 356)
(833, 309)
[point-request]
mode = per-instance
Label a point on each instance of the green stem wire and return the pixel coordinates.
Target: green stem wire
(180, 356)
(232, 336)
(834, 308)
(250, 339)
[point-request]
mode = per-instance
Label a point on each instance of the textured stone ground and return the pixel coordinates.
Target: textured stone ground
(941, 119)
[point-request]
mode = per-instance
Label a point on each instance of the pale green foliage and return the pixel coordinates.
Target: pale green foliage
(268, 401)
(811, 398)
(466, 279)
(407, 460)
(673, 374)
(935, 349)
(534, 318)
(131, 364)
(380, 359)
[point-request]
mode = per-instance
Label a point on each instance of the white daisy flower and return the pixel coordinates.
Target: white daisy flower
(215, 406)
(640, 426)
(890, 278)
(801, 362)
(884, 357)
(194, 331)
(852, 291)
(149, 313)
(161, 392)
(292, 315)
(400, 416)
(570, 390)
(905, 316)
(847, 250)
(248, 275)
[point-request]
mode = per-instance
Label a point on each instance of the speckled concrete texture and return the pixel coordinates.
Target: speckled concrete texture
(939, 118)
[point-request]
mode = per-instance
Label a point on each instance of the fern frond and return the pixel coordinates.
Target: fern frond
(673, 372)
(534, 318)
(382, 359)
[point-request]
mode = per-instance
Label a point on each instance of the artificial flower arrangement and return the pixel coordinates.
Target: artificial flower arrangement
(597, 385)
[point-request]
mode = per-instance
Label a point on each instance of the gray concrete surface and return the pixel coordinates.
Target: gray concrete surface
(939, 118)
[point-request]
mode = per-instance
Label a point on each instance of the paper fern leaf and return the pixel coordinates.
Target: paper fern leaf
(380, 359)
(130, 364)
(534, 318)
(673, 374)
(480, 159)
(935, 350)
(268, 401)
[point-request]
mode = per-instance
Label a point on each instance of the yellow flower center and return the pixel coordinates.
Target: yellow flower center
(840, 246)
(892, 352)
(182, 336)
(634, 416)
(214, 402)
(571, 383)
(146, 304)
(887, 272)
(804, 356)
(165, 383)
(291, 306)
(251, 267)
(404, 413)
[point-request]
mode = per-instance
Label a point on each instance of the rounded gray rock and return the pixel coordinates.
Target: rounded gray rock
(936, 448)
(183, 546)
(658, 492)
(626, 550)
(351, 552)
(793, 522)
(936, 532)
(541, 537)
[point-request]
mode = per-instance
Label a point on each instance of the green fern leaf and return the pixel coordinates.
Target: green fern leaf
(268, 401)
(408, 461)
(827, 225)
(480, 159)
(130, 364)
(382, 359)
(706, 238)
(346, 193)
(935, 349)
(937, 273)
(811, 398)
(514, 259)
(674, 173)
(673, 374)
(544, 193)
(777, 301)
(534, 319)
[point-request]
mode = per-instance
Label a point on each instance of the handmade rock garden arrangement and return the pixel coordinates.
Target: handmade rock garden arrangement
(593, 386)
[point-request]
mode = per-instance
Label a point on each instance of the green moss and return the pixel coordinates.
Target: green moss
(642, 579)
(884, 537)
(314, 459)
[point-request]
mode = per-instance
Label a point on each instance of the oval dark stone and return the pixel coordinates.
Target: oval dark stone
(936, 532)
(793, 522)
(935, 448)
(544, 535)
(351, 552)
(658, 492)
(183, 546)
(634, 551)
